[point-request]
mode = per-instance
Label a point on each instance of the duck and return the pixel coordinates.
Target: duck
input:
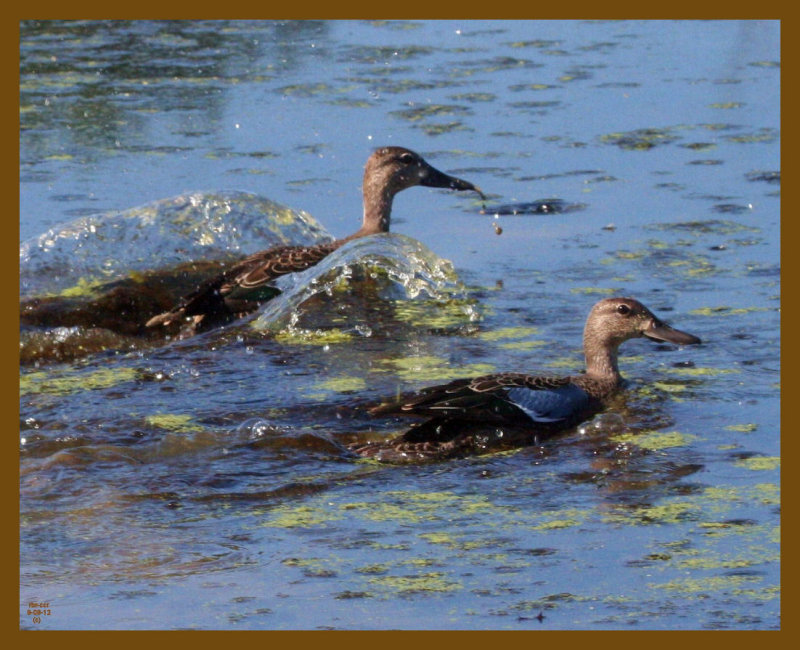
(511, 409)
(241, 288)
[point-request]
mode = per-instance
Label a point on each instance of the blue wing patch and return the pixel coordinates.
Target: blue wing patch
(549, 404)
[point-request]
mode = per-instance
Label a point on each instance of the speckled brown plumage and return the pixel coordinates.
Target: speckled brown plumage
(235, 291)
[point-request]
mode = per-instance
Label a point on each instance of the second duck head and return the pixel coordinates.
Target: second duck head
(390, 170)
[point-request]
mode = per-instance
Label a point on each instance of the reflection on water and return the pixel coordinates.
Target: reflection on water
(107, 72)
(206, 483)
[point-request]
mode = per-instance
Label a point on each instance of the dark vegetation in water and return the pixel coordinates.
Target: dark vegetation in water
(640, 139)
(109, 316)
(122, 306)
(767, 177)
(540, 206)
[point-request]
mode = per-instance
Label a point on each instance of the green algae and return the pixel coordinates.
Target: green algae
(557, 523)
(431, 582)
(440, 129)
(693, 266)
(416, 507)
(640, 139)
(397, 506)
(373, 569)
(439, 538)
(508, 333)
(668, 513)
(669, 388)
(707, 227)
(474, 97)
(760, 463)
(725, 543)
(313, 562)
(83, 288)
(172, 422)
(720, 494)
(726, 105)
(693, 586)
(547, 602)
(418, 113)
(655, 440)
(312, 567)
(743, 428)
(762, 135)
(307, 89)
(625, 255)
(436, 314)
(349, 103)
(702, 267)
(712, 560)
(725, 311)
(44, 382)
(531, 86)
(420, 562)
(295, 336)
(430, 368)
(764, 594)
(699, 372)
(563, 518)
(705, 513)
(538, 43)
(342, 384)
(764, 493)
(522, 345)
(402, 26)
(372, 511)
(465, 545)
(287, 516)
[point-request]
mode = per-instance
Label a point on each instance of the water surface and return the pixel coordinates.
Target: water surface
(204, 483)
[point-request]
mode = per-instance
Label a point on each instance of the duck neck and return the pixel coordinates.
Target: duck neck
(377, 207)
(601, 359)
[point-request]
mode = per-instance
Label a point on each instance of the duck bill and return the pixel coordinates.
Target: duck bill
(432, 177)
(659, 331)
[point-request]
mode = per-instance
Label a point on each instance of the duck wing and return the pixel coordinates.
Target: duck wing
(261, 268)
(241, 288)
(494, 398)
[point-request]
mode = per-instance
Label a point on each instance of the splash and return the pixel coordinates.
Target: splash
(386, 269)
(199, 226)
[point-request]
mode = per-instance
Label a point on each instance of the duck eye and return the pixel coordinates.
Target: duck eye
(623, 309)
(406, 158)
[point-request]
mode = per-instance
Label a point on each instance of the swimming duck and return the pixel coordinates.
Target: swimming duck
(513, 409)
(241, 288)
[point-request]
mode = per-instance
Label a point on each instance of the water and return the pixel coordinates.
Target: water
(203, 483)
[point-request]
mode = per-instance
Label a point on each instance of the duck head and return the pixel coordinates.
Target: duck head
(390, 170)
(615, 320)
